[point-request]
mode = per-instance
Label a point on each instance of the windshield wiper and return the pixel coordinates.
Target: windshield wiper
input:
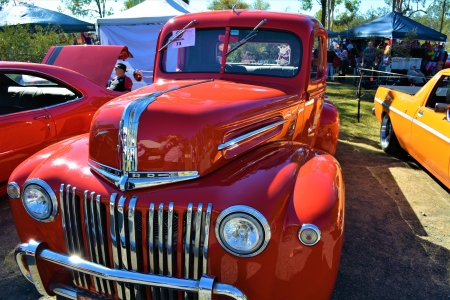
(179, 33)
(249, 36)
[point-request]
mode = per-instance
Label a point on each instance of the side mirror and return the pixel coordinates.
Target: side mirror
(448, 114)
(441, 107)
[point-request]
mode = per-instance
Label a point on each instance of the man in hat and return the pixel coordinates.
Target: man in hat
(121, 82)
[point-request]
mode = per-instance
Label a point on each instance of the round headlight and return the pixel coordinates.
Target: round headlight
(39, 200)
(242, 231)
(309, 235)
(13, 190)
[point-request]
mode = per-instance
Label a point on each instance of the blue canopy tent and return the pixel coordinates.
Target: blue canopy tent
(34, 15)
(332, 34)
(393, 25)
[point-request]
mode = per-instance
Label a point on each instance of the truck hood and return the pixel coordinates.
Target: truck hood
(172, 131)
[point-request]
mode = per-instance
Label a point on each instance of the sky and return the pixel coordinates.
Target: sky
(201, 5)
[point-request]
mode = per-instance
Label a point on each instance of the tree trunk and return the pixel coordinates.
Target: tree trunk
(324, 11)
(442, 17)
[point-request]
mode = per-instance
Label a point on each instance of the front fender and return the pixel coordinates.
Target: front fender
(328, 132)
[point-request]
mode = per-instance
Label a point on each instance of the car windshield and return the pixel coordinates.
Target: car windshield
(269, 53)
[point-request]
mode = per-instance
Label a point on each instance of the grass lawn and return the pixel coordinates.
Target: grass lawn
(344, 96)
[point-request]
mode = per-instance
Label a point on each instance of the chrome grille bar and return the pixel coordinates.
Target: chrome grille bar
(162, 293)
(198, 232)
(77, 244)
(206, 238)
(95, 242)
(123, 241)
(103, 257)
(70, 231)
(88, 231)
(187, 244)
(64, 224)
(133, 248)
(114, 241)
(151, 245)
(170, 241)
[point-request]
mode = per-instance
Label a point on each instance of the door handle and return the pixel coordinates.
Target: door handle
(420, 113)
(43, 117)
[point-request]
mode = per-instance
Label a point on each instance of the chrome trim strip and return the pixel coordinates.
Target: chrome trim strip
(169, 245)
(133, 249)
(128, 131)
(81, 265)
(77, 244)
(249, 211)
(198, 232)
(87, 221)
(63, 217)
(65, 292)
(187, 241)
(76, 276)
(161, 238)
(103, 248)
(415, 121)
(132, 232)
(123, 242)
(115, 240)
(206, 238)
(139, 180)
(234, 142)
(151, 245)
(94, 234)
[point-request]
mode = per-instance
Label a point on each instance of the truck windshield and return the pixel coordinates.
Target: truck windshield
(270, 53)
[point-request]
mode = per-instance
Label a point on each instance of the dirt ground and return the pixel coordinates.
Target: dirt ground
(397, 239)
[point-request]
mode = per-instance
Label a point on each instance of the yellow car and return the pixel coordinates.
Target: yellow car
(417, 120)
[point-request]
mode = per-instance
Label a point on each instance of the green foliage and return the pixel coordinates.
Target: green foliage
(260, 5)
(402, 50)
(88, 8)
(23, 43)
(227, 4)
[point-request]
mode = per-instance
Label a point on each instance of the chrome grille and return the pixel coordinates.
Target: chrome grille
(137, 240)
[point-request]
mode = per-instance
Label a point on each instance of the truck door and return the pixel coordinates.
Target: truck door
(315, 88)
(431, 134)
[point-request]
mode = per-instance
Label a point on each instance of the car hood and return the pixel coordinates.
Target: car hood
(96, 62)
(190, 126)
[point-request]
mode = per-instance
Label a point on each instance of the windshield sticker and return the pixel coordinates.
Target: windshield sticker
(187, 39)
(234, 32)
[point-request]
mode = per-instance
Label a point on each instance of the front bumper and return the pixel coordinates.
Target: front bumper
(26, 256)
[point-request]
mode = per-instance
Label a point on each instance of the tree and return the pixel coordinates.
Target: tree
(23, 43)
(227, 4)
(350, 13)
(307, 5)
(89, 8)
(407, 7)
(260, 5)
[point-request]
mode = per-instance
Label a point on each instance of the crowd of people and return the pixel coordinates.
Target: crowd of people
(345, 57)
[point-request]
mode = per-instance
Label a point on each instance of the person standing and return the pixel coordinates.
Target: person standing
(368, 56)
(416, 76)
(120, 83)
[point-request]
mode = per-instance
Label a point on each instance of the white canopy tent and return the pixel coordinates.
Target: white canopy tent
(138, 28)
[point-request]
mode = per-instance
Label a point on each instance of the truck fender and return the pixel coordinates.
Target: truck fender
(328, 131)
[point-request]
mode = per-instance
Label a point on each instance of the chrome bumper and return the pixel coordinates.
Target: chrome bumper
(205, 287)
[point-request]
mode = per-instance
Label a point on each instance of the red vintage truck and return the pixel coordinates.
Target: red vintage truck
(216, 181)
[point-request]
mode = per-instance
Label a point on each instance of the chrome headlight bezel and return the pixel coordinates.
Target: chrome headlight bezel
(251, 214)
(47, 191)
(311, 228)
(13, 190)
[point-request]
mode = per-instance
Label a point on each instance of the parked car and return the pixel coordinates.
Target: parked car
(417, 120)
(41, 104)
(216, 180)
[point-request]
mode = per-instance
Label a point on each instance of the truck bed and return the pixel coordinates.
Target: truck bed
(412, 90)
